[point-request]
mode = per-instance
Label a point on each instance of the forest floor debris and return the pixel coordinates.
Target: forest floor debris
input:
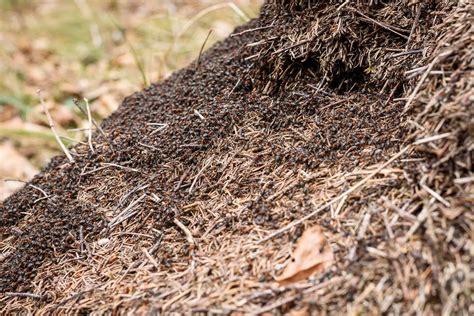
(307, 109)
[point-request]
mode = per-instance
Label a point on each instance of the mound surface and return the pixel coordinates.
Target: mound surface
(356, 118)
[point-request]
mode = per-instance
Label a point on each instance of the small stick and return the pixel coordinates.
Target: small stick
(74, 296)
(151, 259)
(159, 129)
(400, 212)
(24, 295)
(181, 180)
(391, 94)
(390, 28)
(189, 236)
(89, 117)
(156, 246)
(73, 140)
(252, 30)
(192, 146)
(197, 176)
(53, 128)
(76, 103)
(202, 49)
(415, 24)
(199, 115)
(464, 180)
(412, 96)
(293, 46)
(338, 198)
(409, 52)
(106, 165)
(124, 198)
(273, 306)
(388, 227)
(235, 87)
(126, 213)
(435, 195)
(432, 138)
(363, 226)
(149, 146)
(81, 239)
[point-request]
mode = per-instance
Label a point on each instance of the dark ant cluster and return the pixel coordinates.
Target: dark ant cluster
(204, 130)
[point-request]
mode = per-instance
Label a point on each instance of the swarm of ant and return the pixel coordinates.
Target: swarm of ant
(353, 116)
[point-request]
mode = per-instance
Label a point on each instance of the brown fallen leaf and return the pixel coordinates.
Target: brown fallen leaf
(313, 254)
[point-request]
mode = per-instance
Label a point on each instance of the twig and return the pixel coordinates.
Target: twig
(432, 138)
(81, 238)
(189, 236)
(388, 227)
(435, 195)
(185, 174)
(24, 295)
(400, 212)
(198, 63)
(423, 78)
(415, 24)
(156, 246)
(76, 103)
(151, 259)
(199, 115)
(390, 28)
(72, 297)
(464, 180)
(252, 30)
(293, 46)
(174, 299)
(108, 165)
(192, 146)
(53, 128)
(198, 175)
(392, 93)
(73, 140)
(126, 213)
(338, 198)
(124, 198)
(414, 51)
(363, 226)
(414, 227)
(274, 305)
(325, 284)
(235, 87)
(148, 146)
(89, 117)
(160, 128)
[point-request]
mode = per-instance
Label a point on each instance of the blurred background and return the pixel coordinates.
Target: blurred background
(102, 50)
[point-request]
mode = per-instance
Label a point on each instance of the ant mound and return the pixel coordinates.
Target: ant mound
(319, 160)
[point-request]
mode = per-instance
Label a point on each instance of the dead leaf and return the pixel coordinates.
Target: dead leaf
(313, 254)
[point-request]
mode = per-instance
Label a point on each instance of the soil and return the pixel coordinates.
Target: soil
(263, 118)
